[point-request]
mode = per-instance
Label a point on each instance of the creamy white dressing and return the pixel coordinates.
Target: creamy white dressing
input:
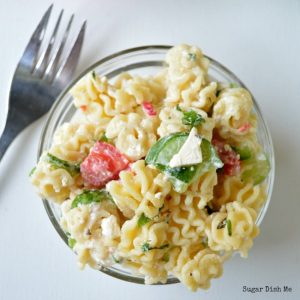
(110, 227)
(158, 195)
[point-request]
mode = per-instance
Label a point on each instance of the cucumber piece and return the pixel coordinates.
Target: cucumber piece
(258, 170)
(244, 152)
(178, 185)
(162, 152)
(71, 242)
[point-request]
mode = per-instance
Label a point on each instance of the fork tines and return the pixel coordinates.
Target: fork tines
(48, 64)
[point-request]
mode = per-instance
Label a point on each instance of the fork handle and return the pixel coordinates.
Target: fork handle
(9, 133)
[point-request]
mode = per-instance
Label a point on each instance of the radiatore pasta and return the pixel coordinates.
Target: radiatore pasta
(123, 202)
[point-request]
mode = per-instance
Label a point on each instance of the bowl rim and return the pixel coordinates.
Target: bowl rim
(110, 270)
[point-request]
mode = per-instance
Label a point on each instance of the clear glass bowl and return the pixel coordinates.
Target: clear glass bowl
(144, 61)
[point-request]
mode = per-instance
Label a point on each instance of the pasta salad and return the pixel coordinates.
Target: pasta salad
(162, 174)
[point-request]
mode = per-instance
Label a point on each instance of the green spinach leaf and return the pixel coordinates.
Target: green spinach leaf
(57, 163)
(91, 196)
(143, 219)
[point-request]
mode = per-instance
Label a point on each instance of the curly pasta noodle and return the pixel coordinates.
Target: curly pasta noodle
(186, 75)
(139, 190)
(149, 263)
(195, 266)
(171, 121)
(140, 89)
(243, 228)
(207, 97)
(72, 141)
(232, 111)
(85, 224)
(132, 134)
(234, 189)
(202, 188)
(52, 184)
(100, 100)
(185, 213)
(186, 222)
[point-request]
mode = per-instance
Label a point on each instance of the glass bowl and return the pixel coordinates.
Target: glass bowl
(144, 60)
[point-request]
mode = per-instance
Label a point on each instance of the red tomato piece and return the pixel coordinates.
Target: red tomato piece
(103, 164)
(231, 159)
(244, 127)
(149, 109)
(83, 107)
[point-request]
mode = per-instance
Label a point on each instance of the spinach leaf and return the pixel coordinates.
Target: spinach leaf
(91, 196)
(57, 163)
(143, 219)
(103, 138)
(191, 117)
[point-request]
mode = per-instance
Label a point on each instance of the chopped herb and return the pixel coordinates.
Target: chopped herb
(222, 224)
(191, 117)
(218, 93)
(178, 108)
(32, 171)
(229, 227)
(103, 138)
(166, 257)
(117, 261)
(143, 219)
(58, 163)
(204, 241)
(146, 247)
(234, 85)
(94, 75)
(226, 222)
(90, 196)
(71, 242)
(192, 56)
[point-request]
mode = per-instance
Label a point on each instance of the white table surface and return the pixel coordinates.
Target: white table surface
(258, 40)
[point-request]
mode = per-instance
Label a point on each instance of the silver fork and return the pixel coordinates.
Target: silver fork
(38, 79)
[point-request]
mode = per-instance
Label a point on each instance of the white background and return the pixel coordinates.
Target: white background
(258, 40)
